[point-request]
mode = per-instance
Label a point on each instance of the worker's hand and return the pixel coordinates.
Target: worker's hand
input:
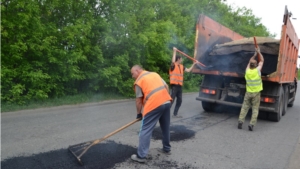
(174, 49)
(257, 50)
(139, 116)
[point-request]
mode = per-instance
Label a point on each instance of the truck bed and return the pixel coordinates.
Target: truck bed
(234, 56)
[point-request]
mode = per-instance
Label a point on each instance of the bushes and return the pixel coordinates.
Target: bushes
(55, 48)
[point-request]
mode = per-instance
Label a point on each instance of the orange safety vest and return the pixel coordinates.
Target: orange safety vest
(154, 90)
(176, 76)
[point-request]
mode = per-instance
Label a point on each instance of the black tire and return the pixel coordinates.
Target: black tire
(294, 95)
(208, 106)
(218, 108)
(263, 115)
(277, 115)
(286, 99)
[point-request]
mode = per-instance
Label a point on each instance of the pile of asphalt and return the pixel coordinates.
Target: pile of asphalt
(234, 56)
(237, 62)
(104, 155)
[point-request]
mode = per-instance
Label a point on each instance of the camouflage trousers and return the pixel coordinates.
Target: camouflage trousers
(251, 100)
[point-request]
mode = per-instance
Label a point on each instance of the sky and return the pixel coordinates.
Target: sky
(271, 13)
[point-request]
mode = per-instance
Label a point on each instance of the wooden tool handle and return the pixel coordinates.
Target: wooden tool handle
(108, 135)
(116, 131)
(190, 57)
(256, 46)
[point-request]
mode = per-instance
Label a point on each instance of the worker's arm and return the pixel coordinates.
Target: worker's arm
(261, 59)
(189, 69)
(173, 59)
(139, 105)
(139, 99)
(174, 55)
(252, 58)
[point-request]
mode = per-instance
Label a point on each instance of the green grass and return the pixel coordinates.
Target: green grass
(66, 100)
(299, 74)
(70, 100)
(193, 89)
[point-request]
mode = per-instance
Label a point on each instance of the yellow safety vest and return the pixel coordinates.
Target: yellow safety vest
(253, 81)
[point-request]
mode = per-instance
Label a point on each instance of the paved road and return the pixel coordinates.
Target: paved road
(199, 140)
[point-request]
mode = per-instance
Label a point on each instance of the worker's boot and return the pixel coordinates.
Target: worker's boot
(250, 127)
(240, 125)
(177, 116)
(163, 151)
(135, 157)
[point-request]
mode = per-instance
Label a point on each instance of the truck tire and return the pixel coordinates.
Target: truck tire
(263, 115)
(286, 99)
(294, 95)
(208, 106)
(277, 116)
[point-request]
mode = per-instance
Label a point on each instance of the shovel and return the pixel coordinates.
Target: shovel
(199, 64)
(79, 150)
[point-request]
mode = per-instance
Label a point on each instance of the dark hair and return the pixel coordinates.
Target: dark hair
(177, 57)
(252, 65)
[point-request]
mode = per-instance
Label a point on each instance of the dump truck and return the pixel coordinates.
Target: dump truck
(226, 54)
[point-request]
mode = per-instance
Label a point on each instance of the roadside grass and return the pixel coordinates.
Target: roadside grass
(66, 100)
(299, 74)
(192, 89)
(69, 100)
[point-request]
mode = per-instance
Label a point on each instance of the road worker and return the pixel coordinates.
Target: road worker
(153, 104)
(176, 80)
(253, 88)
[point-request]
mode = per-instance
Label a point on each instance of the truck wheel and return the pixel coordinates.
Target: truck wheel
(207, 106)
(277, 116)
(286, 99)
(263, 115)
(294, 95)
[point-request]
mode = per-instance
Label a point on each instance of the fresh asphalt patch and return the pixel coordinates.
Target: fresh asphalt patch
(177, 133)
(104, 156)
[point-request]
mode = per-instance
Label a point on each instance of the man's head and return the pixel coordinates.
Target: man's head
(253, 64)
(178, 59)
(136, 70)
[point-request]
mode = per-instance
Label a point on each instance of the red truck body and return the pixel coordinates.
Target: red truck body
(224, 83)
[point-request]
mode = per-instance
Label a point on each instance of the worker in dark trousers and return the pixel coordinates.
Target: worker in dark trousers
(253, 88)
(153, 104)
(176, 80)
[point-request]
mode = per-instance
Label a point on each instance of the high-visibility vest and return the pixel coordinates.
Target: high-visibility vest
(253, 80)
(176, 76)
(154, 90)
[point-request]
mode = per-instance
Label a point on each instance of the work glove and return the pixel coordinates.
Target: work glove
(139, 116)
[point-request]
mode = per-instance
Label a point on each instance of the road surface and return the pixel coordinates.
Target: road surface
(40, 138)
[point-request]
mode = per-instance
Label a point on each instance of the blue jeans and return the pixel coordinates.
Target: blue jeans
(161, 114)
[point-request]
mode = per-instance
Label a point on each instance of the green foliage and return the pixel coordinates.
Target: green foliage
(55, 48)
